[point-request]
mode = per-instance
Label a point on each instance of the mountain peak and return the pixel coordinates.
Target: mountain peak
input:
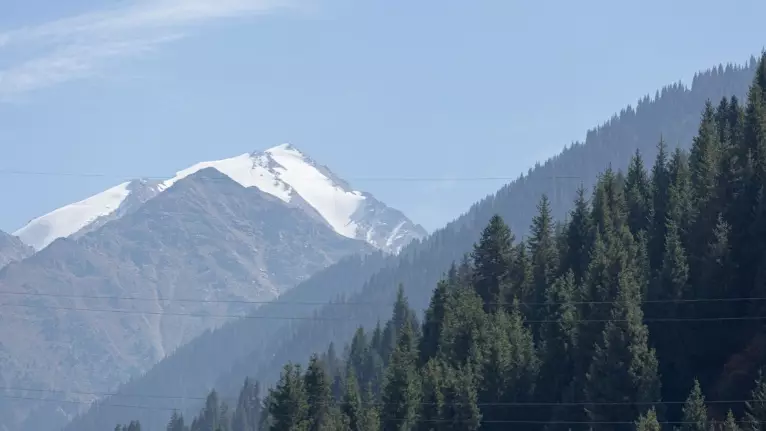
(282, 171)
(286, 147)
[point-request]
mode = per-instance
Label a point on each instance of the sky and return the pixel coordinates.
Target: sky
(379, 91)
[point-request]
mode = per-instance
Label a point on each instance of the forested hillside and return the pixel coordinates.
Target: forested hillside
(643, 310)
(672, 113)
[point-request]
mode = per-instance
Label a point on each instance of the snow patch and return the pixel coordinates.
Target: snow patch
(335, 204)
(67, 220)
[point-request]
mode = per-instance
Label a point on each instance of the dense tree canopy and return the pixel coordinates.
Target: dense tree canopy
(644, 311)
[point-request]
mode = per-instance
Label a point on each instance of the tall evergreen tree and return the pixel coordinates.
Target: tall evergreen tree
(176, 423)
(288, 403)
(318, 395)
(579, 236)
(460, 411)
(694, 411)
(623, 367)
(660, 192)
(248, 412)
(351, 404)
(755, 408)
(433, 322)
(401, 390)
(542, 246)
(648, 421)
(491, 262)
(638, 194)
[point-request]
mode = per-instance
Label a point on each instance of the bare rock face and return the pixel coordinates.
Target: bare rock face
(12, 249)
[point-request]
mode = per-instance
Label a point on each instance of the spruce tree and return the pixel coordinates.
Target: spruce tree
(318, 395)
(288, 404)
(648, 421)
(460, 411)
(509, 367)
(730, 424)
(351, 404)
(559, 343)
(695, 411)
(542, 247)
(176, 423)
(579, 237)
(638, 194)
(433, 322)
(401, 390)
(491, 263)
(402, 314)
(432, 396)
(755, 408)
(660, 192)
(623, 366)
(248, 412)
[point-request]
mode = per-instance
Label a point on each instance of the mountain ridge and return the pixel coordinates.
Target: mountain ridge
(205, 237)
(282, 171)
(672, 113)
(12, 249)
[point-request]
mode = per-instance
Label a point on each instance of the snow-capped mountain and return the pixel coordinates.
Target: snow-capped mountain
(12, 249)
(282, 171)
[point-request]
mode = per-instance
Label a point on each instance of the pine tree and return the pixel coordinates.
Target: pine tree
(648, 421)
(318, 395)
(509, 368)
(212, 416)
(491, 263)
(694, 411)
(401, 391)
(638, 194)
(288, 405)
(433, 322)
(177, 423)
(248, 412)
(704, 159)
(464, 326)
(432, 396)
(460, 411)
(579, 237)
(623, 367)
(560, 340)
(401, 315)
(542, 247)
(730, 424)
(351, 404)
(755, 409)
(660, 192)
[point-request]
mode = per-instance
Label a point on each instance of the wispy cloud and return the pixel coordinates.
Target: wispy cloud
(79, 46)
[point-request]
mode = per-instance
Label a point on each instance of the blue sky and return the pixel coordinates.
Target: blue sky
(444, 89)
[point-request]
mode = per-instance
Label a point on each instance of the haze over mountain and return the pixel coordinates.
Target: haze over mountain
(126, 277)
(281, 171)
(261, 350)
(12, 249)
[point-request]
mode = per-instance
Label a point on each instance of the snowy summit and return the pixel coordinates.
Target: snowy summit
(282, 171)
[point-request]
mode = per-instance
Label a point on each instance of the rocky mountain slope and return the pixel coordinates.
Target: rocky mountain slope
(101, 308)
(370, 289)
(282, 171)
(12, 249)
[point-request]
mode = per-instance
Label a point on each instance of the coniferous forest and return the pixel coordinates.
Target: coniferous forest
(644, 309)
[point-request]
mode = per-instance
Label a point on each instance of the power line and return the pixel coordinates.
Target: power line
(378, 403)
(169, 409)
(365, 179)
(355, 303)
(346, 318)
